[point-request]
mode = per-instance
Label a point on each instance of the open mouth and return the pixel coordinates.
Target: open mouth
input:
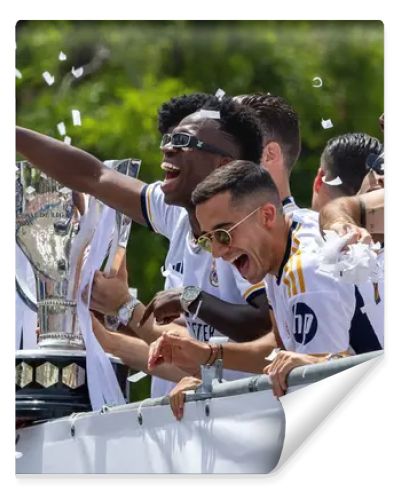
(171, 172)
(241, 262)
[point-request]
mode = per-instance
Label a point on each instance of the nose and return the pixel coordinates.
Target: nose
(167, 147)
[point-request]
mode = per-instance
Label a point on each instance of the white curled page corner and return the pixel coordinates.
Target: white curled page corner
(25, 318)
(102, 382)
(307, 407)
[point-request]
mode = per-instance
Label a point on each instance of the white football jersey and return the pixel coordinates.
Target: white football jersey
(366, 325)
(369, 334)
(313, 312)
(188, 264)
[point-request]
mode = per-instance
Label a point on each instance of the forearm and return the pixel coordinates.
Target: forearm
(240, 323)
(134, 353)
(66, 164)
(245, 356)
(81, 171)
(346, 210)
(249, 356)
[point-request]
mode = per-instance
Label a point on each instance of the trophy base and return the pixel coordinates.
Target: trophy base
(52, 383)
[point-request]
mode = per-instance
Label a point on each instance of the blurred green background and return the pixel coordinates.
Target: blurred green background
(133, 67)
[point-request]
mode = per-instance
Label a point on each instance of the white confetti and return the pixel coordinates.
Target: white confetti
(350, 263)
(62, 56)
(337, 181)
(67, 139)
(18, 73)
(78, 72)
(30, 190)
(208, 113)
(317, 82)
(136, 377)
(76, 117)
(326, 123)
(65, 190)
(48, 78)
(18, 455)
(61, 128)
(220, 94)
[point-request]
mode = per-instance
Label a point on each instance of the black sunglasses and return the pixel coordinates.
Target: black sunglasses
(376, 163)
(185, 140)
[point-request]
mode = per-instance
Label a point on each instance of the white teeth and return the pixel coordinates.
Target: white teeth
(167, 167)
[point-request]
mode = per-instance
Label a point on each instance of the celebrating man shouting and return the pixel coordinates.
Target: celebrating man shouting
(242, 222)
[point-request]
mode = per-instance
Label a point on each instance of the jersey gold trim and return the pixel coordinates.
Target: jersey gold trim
(252, 289)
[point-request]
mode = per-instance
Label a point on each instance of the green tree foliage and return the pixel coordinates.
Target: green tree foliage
(133, 67)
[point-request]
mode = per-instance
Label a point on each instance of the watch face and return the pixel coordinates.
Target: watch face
(191, 293)
(125, 312)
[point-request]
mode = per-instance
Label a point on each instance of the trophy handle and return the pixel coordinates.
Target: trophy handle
(121, 238)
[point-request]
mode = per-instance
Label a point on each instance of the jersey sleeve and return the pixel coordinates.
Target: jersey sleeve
(248, 291)
(160, 217)
(320, 310)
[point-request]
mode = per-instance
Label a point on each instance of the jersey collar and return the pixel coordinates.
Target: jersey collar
(289, 200)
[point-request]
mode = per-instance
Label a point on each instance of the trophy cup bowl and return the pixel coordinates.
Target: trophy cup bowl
(51, 381)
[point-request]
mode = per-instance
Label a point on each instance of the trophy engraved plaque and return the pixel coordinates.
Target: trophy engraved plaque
(51, 381)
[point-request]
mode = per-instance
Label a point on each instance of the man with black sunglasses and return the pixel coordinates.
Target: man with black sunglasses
(167, 208)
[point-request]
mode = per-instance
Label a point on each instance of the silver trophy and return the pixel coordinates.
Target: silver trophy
(47, 223)
(51, 381)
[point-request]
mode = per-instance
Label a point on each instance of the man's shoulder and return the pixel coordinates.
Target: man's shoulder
(160, 216)
(305, 219)
(302, 275)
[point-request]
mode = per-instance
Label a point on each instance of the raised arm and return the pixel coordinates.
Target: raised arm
(362, 215)
(81, 171)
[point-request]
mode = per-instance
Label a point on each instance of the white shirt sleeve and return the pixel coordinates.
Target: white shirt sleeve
(160, 217)
(247, 290)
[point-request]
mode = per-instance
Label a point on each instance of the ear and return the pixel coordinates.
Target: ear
(318, 180)
(268, 215)
(225, 160)
(272, 152)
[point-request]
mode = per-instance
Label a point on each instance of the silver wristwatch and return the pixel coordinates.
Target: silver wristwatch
(125, 312)
(189, 295)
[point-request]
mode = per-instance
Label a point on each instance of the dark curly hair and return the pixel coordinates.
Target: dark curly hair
(173, 111)
(279, 122)
(241, 123)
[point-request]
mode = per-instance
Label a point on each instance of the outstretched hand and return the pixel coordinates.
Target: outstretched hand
(180, 350)
(355, 233)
